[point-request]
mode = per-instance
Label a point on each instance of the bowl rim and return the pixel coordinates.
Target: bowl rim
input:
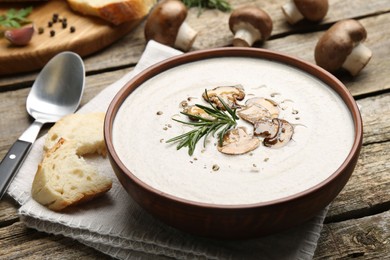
(256, 53)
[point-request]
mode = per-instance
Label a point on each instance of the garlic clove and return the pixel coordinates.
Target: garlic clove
(20, 36)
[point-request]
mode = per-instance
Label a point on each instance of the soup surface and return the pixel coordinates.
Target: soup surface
(322, 139)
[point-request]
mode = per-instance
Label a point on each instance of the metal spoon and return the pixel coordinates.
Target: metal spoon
(55, 93)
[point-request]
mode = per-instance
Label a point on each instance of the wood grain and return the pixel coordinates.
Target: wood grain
(376, 118)
(8, 212)
(357, 225)
(357, 200)
(17, 242)
(373, 78)
(91, 35)
(363, 238)
(214, 32)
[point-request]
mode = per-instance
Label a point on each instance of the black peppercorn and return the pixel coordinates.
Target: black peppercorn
(55, 18)
(72, 29)
(50, 24)
(52, 33)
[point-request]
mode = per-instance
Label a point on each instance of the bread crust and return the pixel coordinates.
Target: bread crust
(115, 12)
(63, 177)
(86, 129)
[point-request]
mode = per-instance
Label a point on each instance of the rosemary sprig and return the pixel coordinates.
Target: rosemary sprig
(203, 127)
(222, 5)
(15, 18)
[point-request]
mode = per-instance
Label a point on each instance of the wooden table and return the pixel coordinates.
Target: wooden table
(358, 222)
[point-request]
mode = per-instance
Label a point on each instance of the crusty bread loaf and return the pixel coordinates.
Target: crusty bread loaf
(86, 129)
(64, 178)
(114, 11)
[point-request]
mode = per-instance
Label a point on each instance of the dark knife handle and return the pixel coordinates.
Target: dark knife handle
(11, 163)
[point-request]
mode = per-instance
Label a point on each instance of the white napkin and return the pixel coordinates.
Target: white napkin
(115, 225)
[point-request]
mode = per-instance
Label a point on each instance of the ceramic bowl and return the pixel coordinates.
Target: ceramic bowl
(283, 199)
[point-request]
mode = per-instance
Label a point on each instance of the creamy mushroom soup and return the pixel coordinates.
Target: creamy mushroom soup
(323, 133)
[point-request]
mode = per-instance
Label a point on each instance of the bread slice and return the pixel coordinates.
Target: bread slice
(113, 11)
(85, 129)
(64, 178)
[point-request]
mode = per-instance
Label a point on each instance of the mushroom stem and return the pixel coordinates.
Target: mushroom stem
(293, 15)
(358, 59)
(245, 36)
(185, 37)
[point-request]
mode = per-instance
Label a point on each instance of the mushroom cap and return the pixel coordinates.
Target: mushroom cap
(254, 112)
(237, 141)
(312, 10)
(270, 105)
(282, 136)
(194, 112)
(229, 94)
(254, 16)
(267, 127)
(164, 21)
(337, 43)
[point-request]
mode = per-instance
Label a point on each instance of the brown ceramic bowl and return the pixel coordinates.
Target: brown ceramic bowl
(227, 220)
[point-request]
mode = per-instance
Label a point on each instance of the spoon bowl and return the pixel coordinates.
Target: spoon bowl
(58, 88)
(56, 92)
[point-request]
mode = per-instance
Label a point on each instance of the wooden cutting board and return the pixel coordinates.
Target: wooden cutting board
(91, 34)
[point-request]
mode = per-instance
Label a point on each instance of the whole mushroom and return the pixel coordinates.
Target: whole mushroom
(311, 10)
(341, 47)
(249, 24)
(166, 24)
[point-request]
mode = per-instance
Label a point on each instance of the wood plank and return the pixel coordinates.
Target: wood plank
(19, 242)
(92, 34)
(373, 78)
(365, 238)
(347, 204)
(373, 165)
(368, 237)
(342, 237)
(356, 199)
(375, 113)
(213, 29)
(214, 32)
(8, 211)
